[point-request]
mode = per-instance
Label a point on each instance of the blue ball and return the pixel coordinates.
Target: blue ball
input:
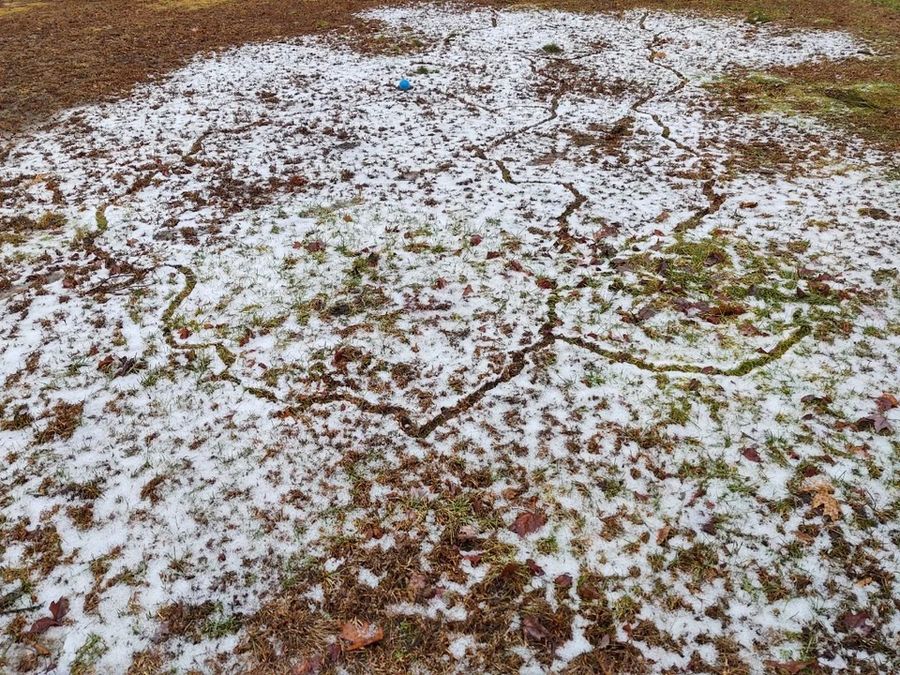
(404, 85)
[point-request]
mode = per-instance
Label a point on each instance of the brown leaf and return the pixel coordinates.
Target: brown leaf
(60, 608)
(877, 421)
(716, 313)
(564, 581)
(184, 333)
(587, 591)
(829, 504)
(663, 535)
(515, 265)
(749, 330)
(528, 522)
(361, 634)
(788, 667)
(473, 558)
(42, 625)
(886, 402)
(534, 568)
(475, 239)
(857, 621)
(333, 652)
(315, 246)
(545, 283)
(534, 629)
(311, 666)
(752, 454)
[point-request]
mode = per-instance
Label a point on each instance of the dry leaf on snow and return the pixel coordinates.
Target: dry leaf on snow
(361, 634)
(829, 504)
(528, 522)
(887, 402)
(822, 491)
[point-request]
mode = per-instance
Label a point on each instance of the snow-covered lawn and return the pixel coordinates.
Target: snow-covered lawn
(548, 363)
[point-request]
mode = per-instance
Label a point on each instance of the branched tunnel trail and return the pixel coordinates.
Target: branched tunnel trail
(515, 363)
(517, 359)
(714, 200)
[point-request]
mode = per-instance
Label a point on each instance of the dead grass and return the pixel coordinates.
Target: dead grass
(74, 52)
(65, 418)
(860, 96)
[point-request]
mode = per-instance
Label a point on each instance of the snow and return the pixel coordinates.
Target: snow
(385, 249)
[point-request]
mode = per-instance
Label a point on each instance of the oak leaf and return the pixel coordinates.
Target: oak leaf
(829, 504)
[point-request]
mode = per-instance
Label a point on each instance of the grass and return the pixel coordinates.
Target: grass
(64, 59)
(859, 97)
(458, 498)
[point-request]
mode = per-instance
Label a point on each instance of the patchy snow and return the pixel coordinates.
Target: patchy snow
(299, 315)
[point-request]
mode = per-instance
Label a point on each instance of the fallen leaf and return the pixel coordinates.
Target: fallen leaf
(184, 333)
(716, 313)
(534, 629)
(829, 504)
(788, 667)
(60, 608)
(587, 591)
(528, 522)
(310, 666)
(563, 581)
(42, 625)
(58, 611)
(105, 363)
(663, 535)
(534, 568)
(857, 621)
(475, 239)
(886, 402)
(417, 583)
(515, 265)
(361, 634)
(878, 422)
(752, 454)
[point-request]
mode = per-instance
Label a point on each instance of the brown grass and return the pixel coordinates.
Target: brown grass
(65, 419)
(72, 52)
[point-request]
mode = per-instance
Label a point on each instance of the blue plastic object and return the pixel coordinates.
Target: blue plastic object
(404, 85)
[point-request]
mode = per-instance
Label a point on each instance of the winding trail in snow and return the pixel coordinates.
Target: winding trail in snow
(516, 360)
